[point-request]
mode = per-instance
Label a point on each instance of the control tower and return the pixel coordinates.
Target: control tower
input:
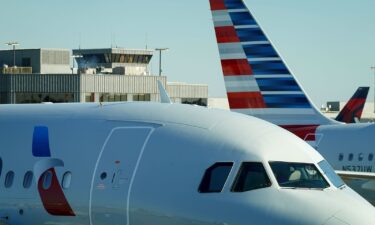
(118, 61)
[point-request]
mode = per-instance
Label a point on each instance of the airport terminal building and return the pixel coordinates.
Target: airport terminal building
(103, 75)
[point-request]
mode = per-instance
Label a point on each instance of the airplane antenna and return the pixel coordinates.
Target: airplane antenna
(164, 97)
(111, 39)
(79, 42)
(114, 40)
(146, 40)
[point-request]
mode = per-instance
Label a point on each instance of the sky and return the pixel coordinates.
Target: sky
(328, 45)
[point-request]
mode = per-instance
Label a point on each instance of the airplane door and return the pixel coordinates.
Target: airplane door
(115, 170)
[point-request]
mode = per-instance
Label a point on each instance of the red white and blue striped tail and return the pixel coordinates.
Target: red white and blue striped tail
(257, 81)
(352, 111)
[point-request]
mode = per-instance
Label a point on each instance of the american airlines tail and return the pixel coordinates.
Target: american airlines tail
(352, 111)
(257, 80)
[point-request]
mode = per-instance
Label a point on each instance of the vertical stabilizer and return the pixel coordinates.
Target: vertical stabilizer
(352, 111)
(164, 97)
(257, 81)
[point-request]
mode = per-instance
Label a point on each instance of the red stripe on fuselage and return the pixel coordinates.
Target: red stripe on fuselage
(235, 67)
(245, 100)
(217, 5)
(305, 132)
(226, 34)
(53, 198)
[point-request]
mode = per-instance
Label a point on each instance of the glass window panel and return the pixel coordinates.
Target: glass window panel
(351, 156)
(47, 179)
(251, 176)
(107, 58)
(215, 177)
(331, 174)
(117, 58)
(360, 157)
(122, 59)
(341, 156)
(67, 179)
(298, 175)
(27, 180)
(9, 177)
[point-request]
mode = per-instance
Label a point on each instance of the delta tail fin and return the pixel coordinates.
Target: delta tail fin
(352, 111)
(257, 81)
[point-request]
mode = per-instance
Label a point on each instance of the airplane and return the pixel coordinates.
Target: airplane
(156, 163)
(259, 83)
(352, 111)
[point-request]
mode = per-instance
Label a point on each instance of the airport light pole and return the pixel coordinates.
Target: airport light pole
(14, 44)
(373, 68)
(12, 94)
(160, 50)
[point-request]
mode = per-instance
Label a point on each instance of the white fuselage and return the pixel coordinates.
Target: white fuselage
(133, 164)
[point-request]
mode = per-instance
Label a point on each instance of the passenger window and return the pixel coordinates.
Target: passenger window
(360, 157)
(341, 157)
(9, 179)
(215, 177)
(47, 180)
(351, 157)
(67, 179)
(27, 180)
(370, 157)
(251, 176)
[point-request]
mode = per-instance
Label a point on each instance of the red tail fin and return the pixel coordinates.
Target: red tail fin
(354, 108)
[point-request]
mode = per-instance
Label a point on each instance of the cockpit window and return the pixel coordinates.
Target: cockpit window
(298, 175)
(251, 176)
(215, 177)
(330, 173)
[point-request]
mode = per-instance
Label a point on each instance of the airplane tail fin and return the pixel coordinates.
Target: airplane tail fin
(257, 81)
(352, 111)
(164, 97)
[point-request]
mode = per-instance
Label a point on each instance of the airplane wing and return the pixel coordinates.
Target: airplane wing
(361, 180)
(349, 175)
